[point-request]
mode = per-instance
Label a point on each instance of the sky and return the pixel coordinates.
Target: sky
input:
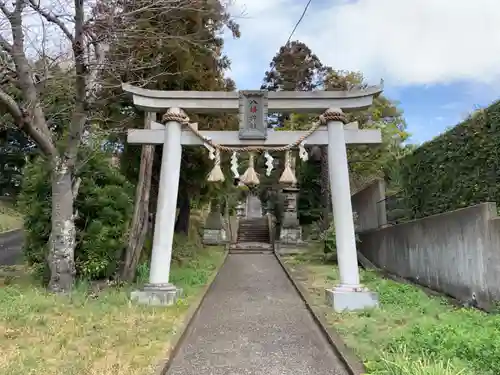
(440, 59)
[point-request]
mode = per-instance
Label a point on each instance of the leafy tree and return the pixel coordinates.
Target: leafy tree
(23, 102)
(96, 27)
(296, 68)
(365, 162)
(15, 146)
(103, 209)
(192, 61)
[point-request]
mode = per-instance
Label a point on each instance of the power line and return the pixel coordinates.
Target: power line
(273, 66)
(299, 21)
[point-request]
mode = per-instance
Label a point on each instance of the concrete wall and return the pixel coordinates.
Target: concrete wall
(369, 204)
(457, 252)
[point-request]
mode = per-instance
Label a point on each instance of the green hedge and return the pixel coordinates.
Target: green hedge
(457, 169)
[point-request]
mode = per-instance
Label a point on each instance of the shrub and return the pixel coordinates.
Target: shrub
(309, 203)
(104, 205)
(329, 239)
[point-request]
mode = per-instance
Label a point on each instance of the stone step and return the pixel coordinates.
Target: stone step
(261, 229)
(254, 234)
(253, 227)
(253, 231)
(260, 234)
(266, 232)
(250, 251)
(246, 240)
(250, 248)
(253, 239)
(257, 224)
(251, 245)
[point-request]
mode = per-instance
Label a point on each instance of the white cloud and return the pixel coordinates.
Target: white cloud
(403, 41)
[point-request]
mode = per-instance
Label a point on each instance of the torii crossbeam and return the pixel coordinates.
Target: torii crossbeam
(155, 136)
(253, 107)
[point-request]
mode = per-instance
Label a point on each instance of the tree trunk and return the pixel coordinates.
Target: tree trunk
(182, 222)
(61, 258)
(155, 186)
(325, 190)
(140, 221)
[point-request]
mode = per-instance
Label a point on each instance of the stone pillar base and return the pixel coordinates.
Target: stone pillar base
(214, 237)
(345, 298)
(291, 235)
(157, 295)
(290, 241)
(291, 248)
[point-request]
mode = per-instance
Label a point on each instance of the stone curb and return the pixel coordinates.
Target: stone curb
(352, 363)
(179, 337)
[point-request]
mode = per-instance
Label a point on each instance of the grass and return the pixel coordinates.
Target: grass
(411, 333)
(42, 333)
(9, 217)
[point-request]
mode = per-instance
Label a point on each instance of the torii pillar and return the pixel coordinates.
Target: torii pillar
(349, 294)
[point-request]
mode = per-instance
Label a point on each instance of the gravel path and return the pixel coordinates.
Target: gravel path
(254, 322)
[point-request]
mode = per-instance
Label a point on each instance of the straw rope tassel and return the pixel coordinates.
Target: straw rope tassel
(216, 174)
(250, 177)
(288, 177)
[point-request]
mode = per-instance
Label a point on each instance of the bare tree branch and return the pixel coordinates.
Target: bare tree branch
(18, 7)
(79, 115)
(20, 119)
(11, 106)
(52, 18)
(4, 9)
(5, 44)
(32, 120)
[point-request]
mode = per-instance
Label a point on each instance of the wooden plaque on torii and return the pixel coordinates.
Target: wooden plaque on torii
(253, 114)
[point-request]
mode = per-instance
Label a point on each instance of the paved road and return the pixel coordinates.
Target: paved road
(11, 245)
(254, 322)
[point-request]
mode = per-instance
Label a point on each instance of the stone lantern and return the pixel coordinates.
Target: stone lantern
(214, 232)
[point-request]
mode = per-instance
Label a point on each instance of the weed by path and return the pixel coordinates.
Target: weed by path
(411, 333)
(41, 333)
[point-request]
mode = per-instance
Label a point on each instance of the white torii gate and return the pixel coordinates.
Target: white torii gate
(349, 294)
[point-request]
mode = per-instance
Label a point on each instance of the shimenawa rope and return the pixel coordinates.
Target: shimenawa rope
(250, 177)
